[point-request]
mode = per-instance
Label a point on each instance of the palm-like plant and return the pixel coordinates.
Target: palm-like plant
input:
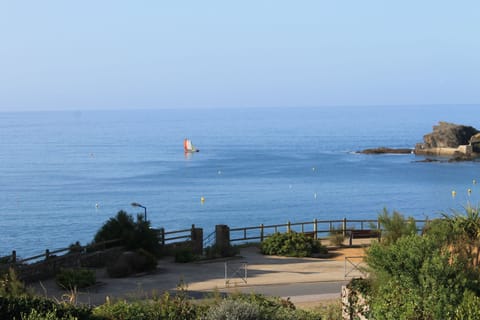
(465, 238)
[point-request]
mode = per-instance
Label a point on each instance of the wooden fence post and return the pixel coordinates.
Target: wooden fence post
(261, 232)
(315, 229)
(196, 235)
(47, 254)
(344, 227)
(162, 234)
(14, 256)
(288, 227)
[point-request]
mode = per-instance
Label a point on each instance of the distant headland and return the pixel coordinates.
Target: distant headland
(458, 142)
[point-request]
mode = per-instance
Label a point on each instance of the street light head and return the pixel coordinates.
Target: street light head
(136, 204)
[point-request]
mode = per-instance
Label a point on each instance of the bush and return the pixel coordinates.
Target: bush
(336, 237)
(358, 297)
(10, 285)
(184, 254)
(291, 244)
(15, 307)
(50, 315)
(149, 260)
(235, 309)
(415, 278)
(177, 307)
(395, 226)
(132, 262)
(75, 278)
(134, 235)
(268, 308)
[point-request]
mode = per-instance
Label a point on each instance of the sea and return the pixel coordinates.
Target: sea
(64, 174)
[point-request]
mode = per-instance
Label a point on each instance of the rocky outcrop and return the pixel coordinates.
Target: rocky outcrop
(447, 139)
(475, 143)
(449, 135)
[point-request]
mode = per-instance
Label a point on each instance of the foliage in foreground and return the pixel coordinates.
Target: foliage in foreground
(172, 307)
(40, 308)
(10, 285)
(291, 244)
(433, 276)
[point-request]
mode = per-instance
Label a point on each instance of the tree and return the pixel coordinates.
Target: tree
(134, 235)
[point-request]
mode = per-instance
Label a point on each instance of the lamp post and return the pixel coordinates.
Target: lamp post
(136, 204)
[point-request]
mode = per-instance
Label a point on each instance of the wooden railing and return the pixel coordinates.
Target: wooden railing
(317, 228)
(12, 259)
(165, 238)
(175, 236)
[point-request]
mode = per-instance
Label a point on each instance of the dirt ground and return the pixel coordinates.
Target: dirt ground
(207, 276)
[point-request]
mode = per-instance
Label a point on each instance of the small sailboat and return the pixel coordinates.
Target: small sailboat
(189, 147)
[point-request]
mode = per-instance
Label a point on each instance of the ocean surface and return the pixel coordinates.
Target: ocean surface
(63, 174)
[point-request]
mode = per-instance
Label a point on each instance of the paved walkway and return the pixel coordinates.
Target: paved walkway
(204, 277)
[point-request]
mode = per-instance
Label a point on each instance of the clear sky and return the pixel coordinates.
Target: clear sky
(101, 54)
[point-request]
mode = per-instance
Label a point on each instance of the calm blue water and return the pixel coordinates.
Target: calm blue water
(255, 166)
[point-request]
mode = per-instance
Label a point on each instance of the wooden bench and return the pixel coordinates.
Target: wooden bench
(363, 234)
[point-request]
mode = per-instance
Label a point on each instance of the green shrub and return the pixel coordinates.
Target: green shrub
(395, 225)
(119, 269)
(150, 261)
(10, 285)
(15, 307)
(176, 307)
(270, 308)
(133, 234)
(417, 278)
(336, 237)
(75, 278)
(331, 310)
(50, 315)
(235, 309)
(291, 244)
(131, 262)
(184, 254)
(469, 308)
(360, 292)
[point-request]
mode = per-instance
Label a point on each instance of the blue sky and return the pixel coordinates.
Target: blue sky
(79, 55)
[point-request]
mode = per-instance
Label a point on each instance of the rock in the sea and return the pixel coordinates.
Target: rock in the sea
(475, 143)
(382, 150)
(448, 135)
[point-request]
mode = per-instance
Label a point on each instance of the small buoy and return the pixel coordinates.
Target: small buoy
(202, 199)
(97, 205)
(313, 168)
(454, 193)
(474, 181)
(469, 191)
